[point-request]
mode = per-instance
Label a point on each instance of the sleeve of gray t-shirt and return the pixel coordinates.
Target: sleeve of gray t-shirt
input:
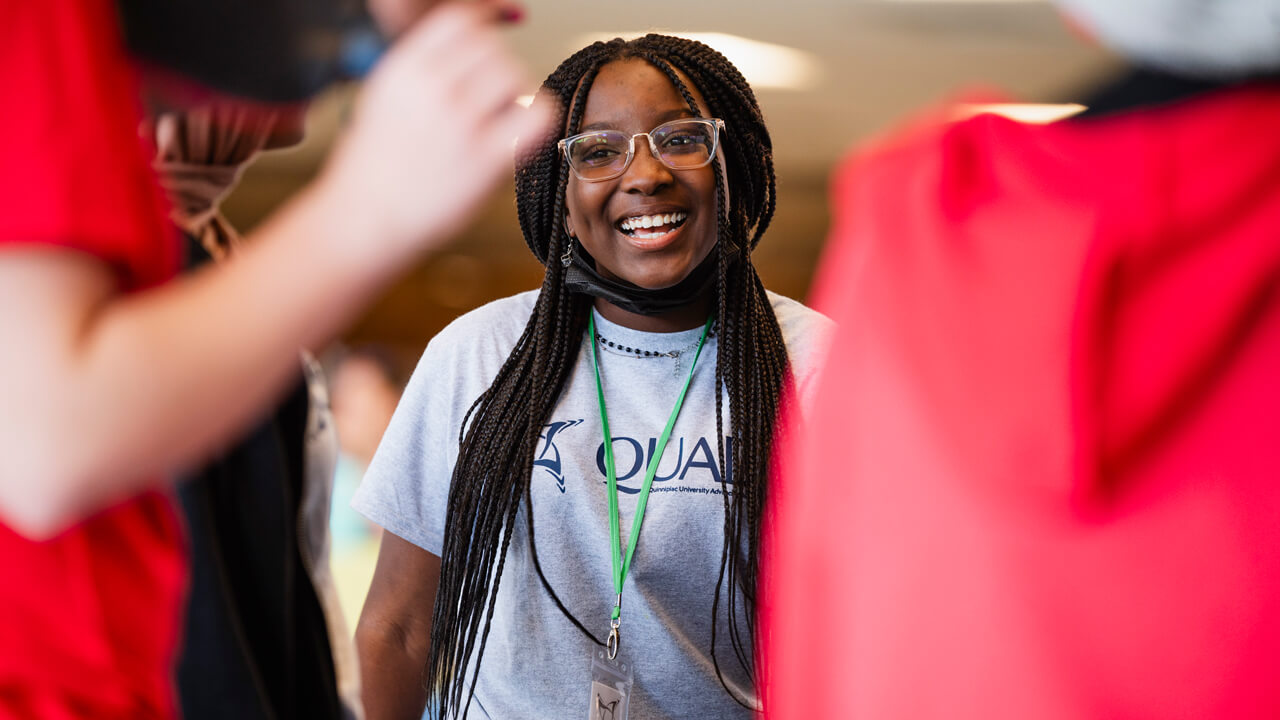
(808, 336)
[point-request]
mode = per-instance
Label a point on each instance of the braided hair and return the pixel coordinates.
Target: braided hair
(492, 477)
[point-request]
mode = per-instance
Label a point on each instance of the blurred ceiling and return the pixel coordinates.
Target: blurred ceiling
(876, 61)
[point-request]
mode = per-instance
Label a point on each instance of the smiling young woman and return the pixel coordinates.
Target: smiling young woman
(623, 416)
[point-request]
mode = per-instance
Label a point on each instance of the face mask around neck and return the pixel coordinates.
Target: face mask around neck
(581, 277)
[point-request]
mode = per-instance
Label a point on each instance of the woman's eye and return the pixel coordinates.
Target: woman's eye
(683, 141)
(599, 154)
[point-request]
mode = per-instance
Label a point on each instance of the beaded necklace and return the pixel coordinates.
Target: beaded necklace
(635, 352)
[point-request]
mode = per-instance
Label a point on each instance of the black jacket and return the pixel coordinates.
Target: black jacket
(256, 645)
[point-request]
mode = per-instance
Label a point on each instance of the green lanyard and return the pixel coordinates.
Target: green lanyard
(621, 565)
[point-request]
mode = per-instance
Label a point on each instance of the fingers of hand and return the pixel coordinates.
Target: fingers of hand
(517, 122)
(446, 29)
(396, 16)
(504, 11)
(466, 59)
(491, 85)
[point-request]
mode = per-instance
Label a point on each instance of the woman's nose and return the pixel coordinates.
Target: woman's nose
(647, 173)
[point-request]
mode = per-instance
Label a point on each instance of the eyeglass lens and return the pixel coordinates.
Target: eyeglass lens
(604, 153)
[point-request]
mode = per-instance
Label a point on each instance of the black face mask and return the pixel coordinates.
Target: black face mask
(279, 51)
(581, 277)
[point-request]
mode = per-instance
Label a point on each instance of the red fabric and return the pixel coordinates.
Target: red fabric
(1042, 479)
(88, 620)
(74, 172)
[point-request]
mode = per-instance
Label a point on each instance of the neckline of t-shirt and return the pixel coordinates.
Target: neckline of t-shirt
(662, 342)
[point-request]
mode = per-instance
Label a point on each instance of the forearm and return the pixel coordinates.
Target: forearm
(393, 637)
(138, 385)
(391, 671)
(209, 353)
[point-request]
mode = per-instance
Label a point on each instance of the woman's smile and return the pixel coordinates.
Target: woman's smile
(652, 230)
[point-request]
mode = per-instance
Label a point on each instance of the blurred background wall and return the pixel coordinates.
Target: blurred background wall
(829, 74)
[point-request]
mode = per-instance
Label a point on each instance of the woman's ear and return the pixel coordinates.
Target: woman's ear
(568, 224)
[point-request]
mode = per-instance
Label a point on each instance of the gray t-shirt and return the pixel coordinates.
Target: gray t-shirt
(536, 663)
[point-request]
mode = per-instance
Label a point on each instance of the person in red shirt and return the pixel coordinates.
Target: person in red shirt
(1040, 478)
(113, 374)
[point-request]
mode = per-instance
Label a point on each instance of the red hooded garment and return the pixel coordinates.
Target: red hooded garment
(1042, 479)
(89, 619)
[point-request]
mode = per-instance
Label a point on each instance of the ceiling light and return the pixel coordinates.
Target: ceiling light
(961, 2)
(764, 65)
(1034, 113)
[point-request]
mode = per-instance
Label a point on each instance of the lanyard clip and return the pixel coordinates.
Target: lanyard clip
(614, 623)
(614, 641)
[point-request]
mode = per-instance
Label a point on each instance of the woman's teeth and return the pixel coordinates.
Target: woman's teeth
(657, 225)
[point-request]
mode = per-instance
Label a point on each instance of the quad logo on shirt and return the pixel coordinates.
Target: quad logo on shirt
(686, 465)
(548, 457)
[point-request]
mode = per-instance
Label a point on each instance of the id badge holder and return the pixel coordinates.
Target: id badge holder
(610, 687)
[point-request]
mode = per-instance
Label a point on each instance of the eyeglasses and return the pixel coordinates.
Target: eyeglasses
(680, 145)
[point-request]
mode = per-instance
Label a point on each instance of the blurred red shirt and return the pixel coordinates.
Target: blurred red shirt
(88, 620)
(1042, 479)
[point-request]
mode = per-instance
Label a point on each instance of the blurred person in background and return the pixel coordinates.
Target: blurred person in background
(365, 388)
(1040, 481)
(366, 385)
(114, 374)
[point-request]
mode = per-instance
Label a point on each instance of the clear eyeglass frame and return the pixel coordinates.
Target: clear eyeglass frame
(716, 124)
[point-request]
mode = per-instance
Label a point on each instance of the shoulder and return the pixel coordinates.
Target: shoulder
(806, 332)
(808, 335)
(800, 324)
(494, 327)
(950, 143)
(467, 354)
